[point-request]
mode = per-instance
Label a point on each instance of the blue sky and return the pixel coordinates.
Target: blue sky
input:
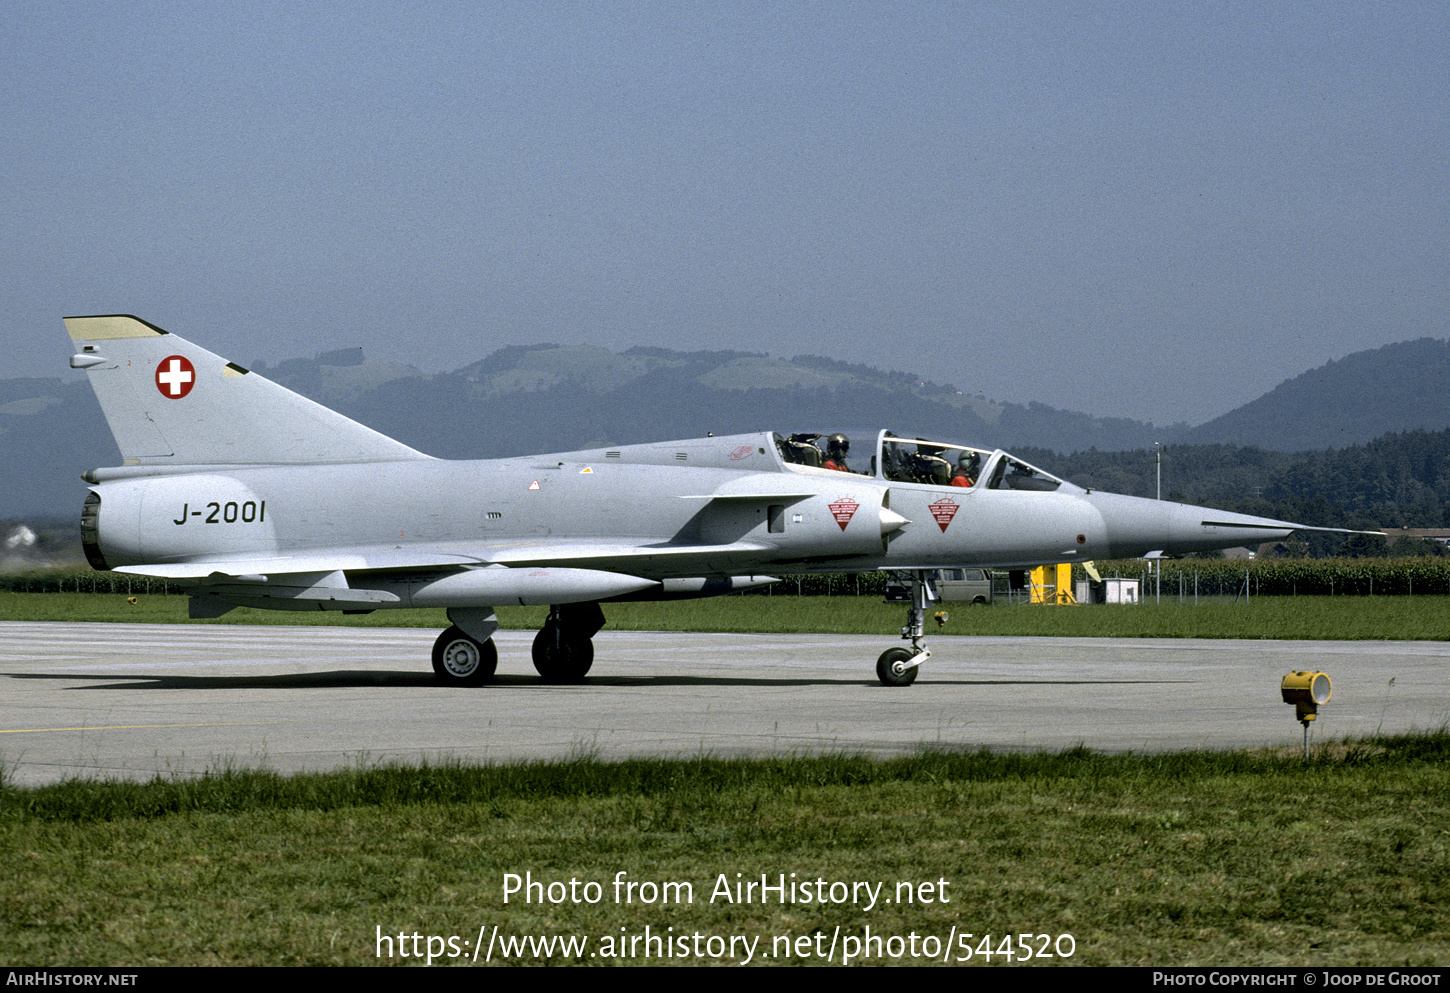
(1154, 210)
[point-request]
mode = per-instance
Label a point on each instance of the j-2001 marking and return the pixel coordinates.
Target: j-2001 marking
(227, 513)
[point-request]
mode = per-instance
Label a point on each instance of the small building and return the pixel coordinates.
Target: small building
(1438, 535)
(1107, 590)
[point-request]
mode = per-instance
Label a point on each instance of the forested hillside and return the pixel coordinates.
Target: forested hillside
(1399, 387)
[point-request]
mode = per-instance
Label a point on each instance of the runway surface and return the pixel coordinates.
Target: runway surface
(133, 700)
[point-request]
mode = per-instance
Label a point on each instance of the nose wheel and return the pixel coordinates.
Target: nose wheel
(899, 666)
(896, 667)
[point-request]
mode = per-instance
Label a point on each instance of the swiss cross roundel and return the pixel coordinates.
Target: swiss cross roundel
(175, 376)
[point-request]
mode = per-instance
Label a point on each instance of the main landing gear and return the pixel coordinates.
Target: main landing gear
(458, 658)
(898, 666)
(465, 654)
(563, 651)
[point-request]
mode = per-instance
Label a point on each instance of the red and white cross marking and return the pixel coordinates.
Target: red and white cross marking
(175, 376)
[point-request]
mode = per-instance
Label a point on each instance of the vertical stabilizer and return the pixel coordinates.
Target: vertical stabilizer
(169, 402)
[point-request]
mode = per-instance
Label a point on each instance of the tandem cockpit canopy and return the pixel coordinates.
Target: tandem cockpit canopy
(904, 459)
(943, 463)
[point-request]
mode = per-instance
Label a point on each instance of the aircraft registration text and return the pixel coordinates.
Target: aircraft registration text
(230, 512)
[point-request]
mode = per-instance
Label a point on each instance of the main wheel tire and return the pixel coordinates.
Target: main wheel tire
(892, 670)
(459, 659)
(562, 657)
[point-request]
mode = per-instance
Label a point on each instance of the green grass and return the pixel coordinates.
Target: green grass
(1187, 859)
(1394, 618)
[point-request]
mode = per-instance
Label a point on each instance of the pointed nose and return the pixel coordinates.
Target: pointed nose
(1136, 526)
(1198, 529)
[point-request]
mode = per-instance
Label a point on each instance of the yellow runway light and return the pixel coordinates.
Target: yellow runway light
(1306, 691)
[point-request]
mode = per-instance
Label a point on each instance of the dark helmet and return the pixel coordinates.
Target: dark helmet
(838, 445)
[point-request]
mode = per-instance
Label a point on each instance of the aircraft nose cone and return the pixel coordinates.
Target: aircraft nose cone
(1202, 528)
(1136, 526)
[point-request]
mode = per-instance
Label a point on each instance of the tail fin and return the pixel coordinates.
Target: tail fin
(169, 402)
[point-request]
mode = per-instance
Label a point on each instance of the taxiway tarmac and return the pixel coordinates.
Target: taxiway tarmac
(135, 700)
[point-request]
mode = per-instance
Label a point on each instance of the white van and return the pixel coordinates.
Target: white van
(954, 585)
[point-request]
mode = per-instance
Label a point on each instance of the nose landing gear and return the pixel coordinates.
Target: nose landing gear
(899, 666)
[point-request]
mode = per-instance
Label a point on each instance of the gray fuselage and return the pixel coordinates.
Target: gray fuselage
(616, 509)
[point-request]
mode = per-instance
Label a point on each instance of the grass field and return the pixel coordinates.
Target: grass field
(1396, 618)
(1193, 859)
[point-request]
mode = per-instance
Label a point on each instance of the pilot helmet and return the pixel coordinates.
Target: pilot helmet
(838, 445)
(967, 462)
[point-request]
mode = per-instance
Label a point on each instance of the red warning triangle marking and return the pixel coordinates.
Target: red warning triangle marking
(943, 510)
(843, 510)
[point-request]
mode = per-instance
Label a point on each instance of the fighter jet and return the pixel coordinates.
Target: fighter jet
(254, 496)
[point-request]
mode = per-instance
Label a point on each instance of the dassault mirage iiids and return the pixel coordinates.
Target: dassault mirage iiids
(258, 497)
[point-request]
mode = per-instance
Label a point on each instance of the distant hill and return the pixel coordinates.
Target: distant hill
(541, 398)
(1400, 387)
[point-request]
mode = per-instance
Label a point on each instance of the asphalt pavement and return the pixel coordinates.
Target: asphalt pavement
(138, 700)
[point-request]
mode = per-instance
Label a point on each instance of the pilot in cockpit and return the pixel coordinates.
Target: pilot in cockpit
(838, 446)
(968, 466)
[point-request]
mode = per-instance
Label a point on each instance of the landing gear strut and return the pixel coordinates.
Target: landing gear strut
(563, 651)
(898, 666)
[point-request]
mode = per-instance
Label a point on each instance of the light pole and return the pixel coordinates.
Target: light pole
(1158, 565)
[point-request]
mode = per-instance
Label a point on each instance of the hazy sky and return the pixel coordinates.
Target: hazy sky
(1153, 210)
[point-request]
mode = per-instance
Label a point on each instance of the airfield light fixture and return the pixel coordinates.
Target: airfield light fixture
(1306, 691)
